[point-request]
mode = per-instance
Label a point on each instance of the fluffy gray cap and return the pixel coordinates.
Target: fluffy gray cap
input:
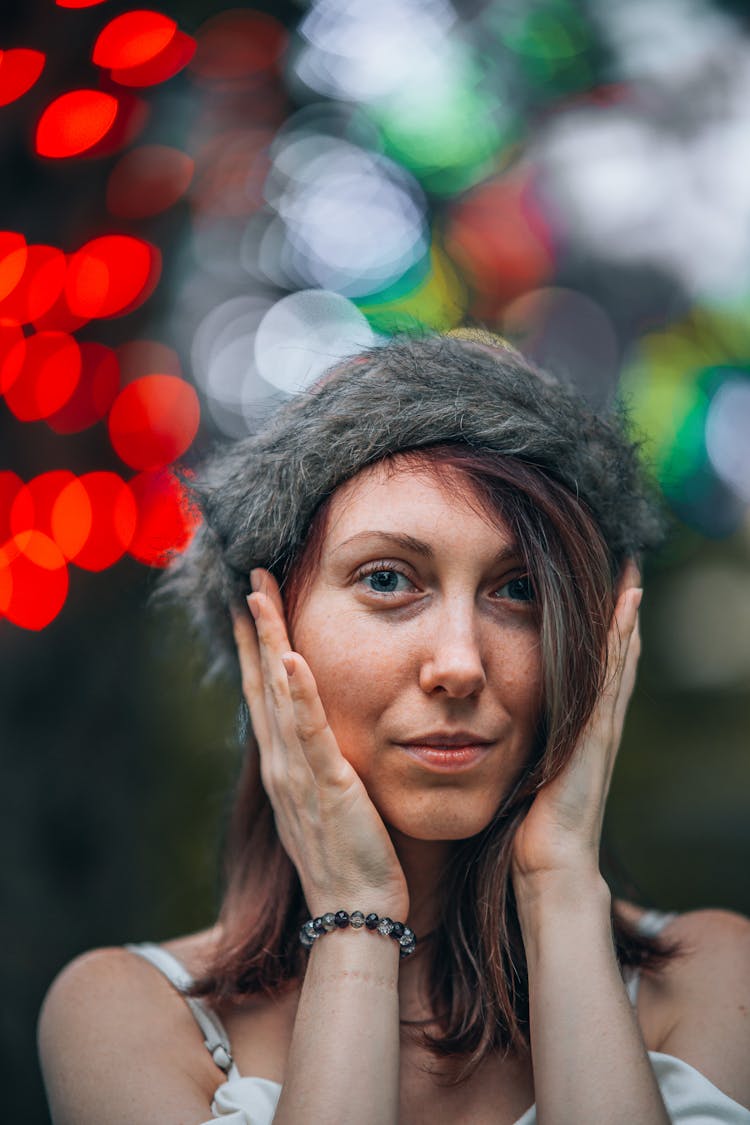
(258, 495)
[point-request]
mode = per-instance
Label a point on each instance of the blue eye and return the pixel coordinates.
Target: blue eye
(385, 581)
(518, 589)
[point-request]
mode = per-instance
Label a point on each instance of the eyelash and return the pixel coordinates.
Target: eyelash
(379, 567)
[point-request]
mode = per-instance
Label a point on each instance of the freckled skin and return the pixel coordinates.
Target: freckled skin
(447, 651)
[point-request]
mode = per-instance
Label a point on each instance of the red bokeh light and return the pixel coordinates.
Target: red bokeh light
(111, 275)
(94, 519)
(96, 391)
(13, 255)
(70, 518)
(132, 115)
(176, 55)
(6, 582)
(145, 357)
(146, 181)
(78, 3)
(19, 69)
(45, 378)
(166, 519)
(59, 317)
(33, 580)
(31, 509)
(75, 122)
(133, 39)
(154, 420)
(500, 239)
(10, 485)
(237, 44)
(12, 353)
(39, 287)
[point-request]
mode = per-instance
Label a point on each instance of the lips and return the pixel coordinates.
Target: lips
(444, 757)
(442, 740)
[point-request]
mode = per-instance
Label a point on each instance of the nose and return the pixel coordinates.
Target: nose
(452, 661)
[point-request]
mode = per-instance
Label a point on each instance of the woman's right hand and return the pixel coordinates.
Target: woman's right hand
(325, 819)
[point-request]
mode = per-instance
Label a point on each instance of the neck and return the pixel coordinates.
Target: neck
(424, 863)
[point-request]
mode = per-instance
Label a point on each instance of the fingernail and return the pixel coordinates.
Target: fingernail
(252, 607)
(255, 577)
(640, 597)
(288, 663)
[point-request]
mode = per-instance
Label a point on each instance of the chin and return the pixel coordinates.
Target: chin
(440, 836)
(436, 826)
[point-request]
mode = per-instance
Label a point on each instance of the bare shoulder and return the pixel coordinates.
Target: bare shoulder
(706, 991)
(118, 1043)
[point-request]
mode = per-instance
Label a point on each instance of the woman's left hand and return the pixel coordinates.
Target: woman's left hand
(561, 832)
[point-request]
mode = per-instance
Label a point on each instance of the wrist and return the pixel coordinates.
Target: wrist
(383, 926)
(368, 902)
(562, 890)
(564, 917)
(353, 961)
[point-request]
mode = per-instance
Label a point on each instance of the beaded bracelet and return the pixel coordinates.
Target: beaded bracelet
(315, 927)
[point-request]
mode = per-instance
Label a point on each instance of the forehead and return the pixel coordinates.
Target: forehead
(398, 495)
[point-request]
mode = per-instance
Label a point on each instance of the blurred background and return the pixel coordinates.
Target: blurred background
(203, 206)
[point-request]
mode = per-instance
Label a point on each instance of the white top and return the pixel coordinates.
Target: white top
(246, 1100)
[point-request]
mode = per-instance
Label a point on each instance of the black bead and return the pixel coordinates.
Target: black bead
(341, 918)
(398, 929)
(318, 926)
(371, 921)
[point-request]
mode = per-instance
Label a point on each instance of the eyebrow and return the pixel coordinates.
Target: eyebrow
(417, 546)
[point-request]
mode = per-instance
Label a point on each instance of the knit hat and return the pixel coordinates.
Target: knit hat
(259, 494)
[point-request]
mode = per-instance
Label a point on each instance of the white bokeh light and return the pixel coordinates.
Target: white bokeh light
(354, 222)
(361, 51)
(728, 435)
(306, 333)
(223, 362)
(659, 176)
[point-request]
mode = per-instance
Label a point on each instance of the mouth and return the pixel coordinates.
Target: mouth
(447, 757)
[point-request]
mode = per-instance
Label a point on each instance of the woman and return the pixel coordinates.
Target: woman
(437, 644)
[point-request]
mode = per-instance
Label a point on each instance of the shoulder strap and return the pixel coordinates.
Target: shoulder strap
(214, 1035)
(651, 923)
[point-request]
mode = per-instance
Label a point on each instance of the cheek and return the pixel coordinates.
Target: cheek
(524, 685)
(351, 669)
(514, 668)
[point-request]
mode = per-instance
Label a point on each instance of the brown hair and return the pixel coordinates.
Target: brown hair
(478, 980)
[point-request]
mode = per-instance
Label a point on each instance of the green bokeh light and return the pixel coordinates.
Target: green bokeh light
(438, 300)
(553, 43)
(668, 388)
(448, 126)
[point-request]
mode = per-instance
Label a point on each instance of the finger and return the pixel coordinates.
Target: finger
(263, 581)
(298, 710)
(621, 630)
(272, 642)
(248, 653)
(608, 719)
(597, 749)
(630, 575)
(316, 739)
(627, 676)
(610, 712)
(275, 629)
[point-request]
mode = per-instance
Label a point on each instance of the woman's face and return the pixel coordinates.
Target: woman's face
(418, 626)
